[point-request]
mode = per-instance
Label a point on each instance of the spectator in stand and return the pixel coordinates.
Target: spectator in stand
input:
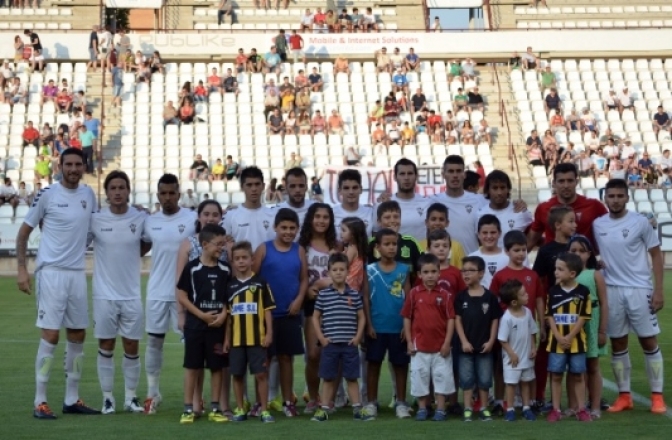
(284, 2)
(79, 102)
(8, 194)
(400, 81)
(647, 170)
(331, 21)
(408, 134)
(88, 140)
(30, 136)
(17, 93)
(394, 135)
(589, 122)
(436, 26)
(271, 102)
(189, 200)
(117, 83)
(391, 110)
(225, 8)
(270, 86)
(383, 62)
(143, 72)
(533, 138)
(170, 115)
(214, 82)
(123, 42)
(291, 123)
(396, 59)
(344, 21)
(218, 170)
(301, 80)
(294, 161)
(547, 79)
(584, 164)
(467, 134)
(412, 61)
(280, 42)
(336, 124)
(535, 3)
(434, 126)
(200, 92)
(627, 150)
(535, 155)
(261, 3)
(319, 22)
(199, 169)
(275, 124)
(483, 133)
(451, 135)
(460, 100)
(47, 137)
(377, 112)
(552, 102)
(661, 121)
(475, 100)
(42, 169)
(530, 60)
(468, 70)
(352, 157)
(315, 80)
(421, 121)
(187, 111)
(18, 49)
(611, 103)
(307, 21)
(255, 62)
(625, 101)
(127, 61)
(296, 46)
(230, 83)
(574, 121)
(93, 125)
(318, 124)
(419, 101)
(24, 196)
(378, 136)
(302, 100)
(272, 61)
(241, 61)
(369, 21)
(304, 123)
(232, 168)
(37, 60)
(49, 92)
(600, 162)
(558, 123)
(356, 20)
(34, 40)
(454, 70)
(104, 45)
(341, 65)
(273, 193)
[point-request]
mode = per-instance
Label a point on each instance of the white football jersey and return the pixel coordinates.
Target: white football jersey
(364, 212)
(253, 225)
(462, 214)
(493, 264)
(166, 233)
(116, 250)
(65, 215)
(517, 331)
(413, 213)
(509, 220)
(624, 244)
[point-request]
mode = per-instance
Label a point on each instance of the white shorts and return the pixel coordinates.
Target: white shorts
(118, 317)
(160, 317)
(630, 310)
(434, 367)
(515, 376)
(62, 299)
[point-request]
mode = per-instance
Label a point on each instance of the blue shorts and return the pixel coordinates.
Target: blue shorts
(561, 362)
(475, 369)
(116, 91)
(339, 356)
(421, 129)
(92, 54)
(389, 343)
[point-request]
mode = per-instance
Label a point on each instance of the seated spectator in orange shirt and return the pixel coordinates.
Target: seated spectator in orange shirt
(434, 125)
(64, 101)
(319, 123)
(30, 135)
(241, 61)
(214, 82)
(336, 124)
(187, 112)
(378, 136)
(200, 92)
(558, 123)
(301, 80)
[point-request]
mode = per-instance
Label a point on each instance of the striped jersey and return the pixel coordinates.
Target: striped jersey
(248, 300)
(339, 313)
(566, 307)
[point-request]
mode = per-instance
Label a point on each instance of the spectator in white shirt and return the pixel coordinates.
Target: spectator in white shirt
(8, 193)
(307, 22)
(628, 150)
(624, 101)
(189, 200)
(664, 163)
(530, 60)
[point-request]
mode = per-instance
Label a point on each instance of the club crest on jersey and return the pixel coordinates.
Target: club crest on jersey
(419, 211)
(492, 268)
(439, 300)
(469, 208)
(511, 223)
(132, 227)
(266, 224)
(528, 279)
(180, 228)
(576, 300)
(405, 252)
(578, 216)
(485, 307)
(83, 202)
(625, 233)
(253, 289)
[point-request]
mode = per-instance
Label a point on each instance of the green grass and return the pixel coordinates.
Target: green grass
(18, 345)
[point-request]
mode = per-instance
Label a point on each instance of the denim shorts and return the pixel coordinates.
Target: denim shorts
(561, 362)
(475, 369)
(339, 356)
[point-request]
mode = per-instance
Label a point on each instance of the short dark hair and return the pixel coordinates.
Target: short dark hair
(425, 259)
(453, 159)
(496, 176)
(405, 162)
(616, 184)
(388, 206)
(513, 238)
(117, 174)
(557, 214)
(296, 172)
(71, 151)
(573, 262)
(437, 207)
(508, 292)
(209, 232)
(168, 179)
(251, 173)
(286, 215)
(242, 246)
(439, 234)
(489, 219)
(385, 232)
(337, 257)
(471, 179)
(565, 167)
(349, 174)
(476, 261)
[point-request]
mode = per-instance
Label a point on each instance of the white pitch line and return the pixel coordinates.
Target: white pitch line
(611, 386)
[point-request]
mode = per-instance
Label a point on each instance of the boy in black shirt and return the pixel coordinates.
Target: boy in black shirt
(477, 314)
(202, 293)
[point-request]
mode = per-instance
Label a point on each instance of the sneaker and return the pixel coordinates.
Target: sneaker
(266, 417)
(187, 418)
(311, 407)
(583, 416)
(604, 405)
(439, 416)
(108, 406)
(42, 411)
(421, 415)
(622, 403)
(485, 415)
(217, 416)
(455, 410)
(255, 411)
(239, 415)
(595, 414)
(151, 404)
(467, 415)
(498, 410)
(290, 410)
(402, 411)
(528, 415)
(133, 405)
(658, 404)
(79, 407)
(320, 416)
(510, 416)
(276, 404)
(368, 413)
(554, 416)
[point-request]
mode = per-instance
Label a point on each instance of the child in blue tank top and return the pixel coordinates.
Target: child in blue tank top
(282, 263)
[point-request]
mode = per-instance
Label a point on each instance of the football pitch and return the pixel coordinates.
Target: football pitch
(18, 345)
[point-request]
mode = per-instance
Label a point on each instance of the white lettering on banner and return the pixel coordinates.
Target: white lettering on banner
(376, 181)
(8, 234)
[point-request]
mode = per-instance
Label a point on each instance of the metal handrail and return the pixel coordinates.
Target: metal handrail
(505, 123)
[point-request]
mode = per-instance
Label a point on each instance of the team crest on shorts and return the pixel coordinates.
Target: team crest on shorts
(511, 223)
(625, 233)
(485, 307)
(132, 227)
(83, 202)
(469, 208)
(266, 224)
(180, 228)
(41, 314)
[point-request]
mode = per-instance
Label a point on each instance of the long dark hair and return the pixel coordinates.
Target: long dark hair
(306, 234)
(360, 240)
(200, 209)
(591, 263)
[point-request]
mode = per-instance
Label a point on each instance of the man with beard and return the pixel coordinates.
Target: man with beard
(296, 183)
(349, 189)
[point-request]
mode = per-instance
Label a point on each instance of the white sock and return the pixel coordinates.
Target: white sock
(74, 361)
(393, 379)
(653, 360)
(130, 365)
(106, 372)
(620, 364)
(363, 389)
(43, 363)
(153, 364)
(273, 379)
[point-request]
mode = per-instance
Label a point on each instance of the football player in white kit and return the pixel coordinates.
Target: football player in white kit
(117, 303)
(624, 239)
(63, 211)
(350, 189)
(164, 232)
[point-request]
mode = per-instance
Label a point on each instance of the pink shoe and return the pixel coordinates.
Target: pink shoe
(554, 416)
(583, 416)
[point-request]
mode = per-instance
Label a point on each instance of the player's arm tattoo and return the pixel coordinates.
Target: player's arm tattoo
(22, 244)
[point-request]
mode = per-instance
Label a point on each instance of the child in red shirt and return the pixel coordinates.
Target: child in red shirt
(450, 277)
(200, 92)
